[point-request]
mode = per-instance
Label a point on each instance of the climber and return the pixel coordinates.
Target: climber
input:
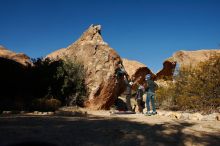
(151, 87)
(120, 72)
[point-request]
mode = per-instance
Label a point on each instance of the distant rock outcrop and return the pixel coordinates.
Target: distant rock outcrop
(100, 62)
(192, 58)
(13, 76)
(184, 59)
(18, 57)
(167, 71)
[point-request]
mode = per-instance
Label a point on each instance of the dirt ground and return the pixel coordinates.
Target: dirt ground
(100, 128)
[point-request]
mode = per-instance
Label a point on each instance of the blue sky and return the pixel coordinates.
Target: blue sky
(148, 31)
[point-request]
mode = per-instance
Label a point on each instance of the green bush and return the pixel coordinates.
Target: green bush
(70, 82)
(196, 89)
(62, 79)
(45, 79)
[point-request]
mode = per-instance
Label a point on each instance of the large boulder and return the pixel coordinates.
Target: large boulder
(137, 71)
(166, 73)
(184, 59)
(193, 58)
(14, 68)
(100, 62)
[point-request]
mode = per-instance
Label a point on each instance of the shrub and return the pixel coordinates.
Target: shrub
(63, 79)
(70, 82)
(44, 104)
(196, 89)
(165, 96)
(45, 79)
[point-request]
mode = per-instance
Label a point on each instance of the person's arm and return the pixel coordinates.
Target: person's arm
(126, 80)
(137, 94)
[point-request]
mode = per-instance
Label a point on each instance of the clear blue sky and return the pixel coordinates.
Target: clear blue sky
(145, 30)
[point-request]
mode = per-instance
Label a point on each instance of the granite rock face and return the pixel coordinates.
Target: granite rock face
(100, 62)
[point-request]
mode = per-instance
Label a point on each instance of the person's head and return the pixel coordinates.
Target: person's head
(140, 87)
(120, 65)
(148, 77)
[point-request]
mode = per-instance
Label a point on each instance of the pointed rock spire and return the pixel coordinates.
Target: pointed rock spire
(100, 62)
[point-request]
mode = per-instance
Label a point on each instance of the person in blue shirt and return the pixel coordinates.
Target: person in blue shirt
(150, 90)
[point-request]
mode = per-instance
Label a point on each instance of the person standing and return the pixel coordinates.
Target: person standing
(128, 90)
(139, 98)
(151, 87)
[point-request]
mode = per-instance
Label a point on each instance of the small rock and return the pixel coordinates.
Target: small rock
(7, 112)
(50, 113)
(196, 116)
(161, 113)
(211, 117)
(185, 116)
(36, 112)
(175, 115)
(169, 114)
(43, 113)
(22, 112)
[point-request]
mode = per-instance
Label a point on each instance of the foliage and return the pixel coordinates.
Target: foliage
(44, 104)
(62, 79)
(46, 79)
(195, 88)
(70, 80)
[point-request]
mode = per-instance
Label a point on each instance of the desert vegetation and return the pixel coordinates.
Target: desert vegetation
(193, 88)
(45, 85)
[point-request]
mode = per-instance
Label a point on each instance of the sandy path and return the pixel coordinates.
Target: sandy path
(102, 129)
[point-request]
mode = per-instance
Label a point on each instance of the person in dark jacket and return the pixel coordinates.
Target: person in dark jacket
(139, 98)
(151, 87)
(128, 90)
(120, 72)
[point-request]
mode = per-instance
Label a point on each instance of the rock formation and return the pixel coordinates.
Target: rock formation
(100, 62)
(13, 73)
(184, 59)
(137, 71)
(192, 58)
(18, 57)
(167, 71)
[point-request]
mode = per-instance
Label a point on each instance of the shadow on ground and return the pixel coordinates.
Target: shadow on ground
(89, 131)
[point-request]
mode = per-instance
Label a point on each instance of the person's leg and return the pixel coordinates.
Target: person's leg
(139, 106)
(153, 103)
(128, 102)
(148, 103)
